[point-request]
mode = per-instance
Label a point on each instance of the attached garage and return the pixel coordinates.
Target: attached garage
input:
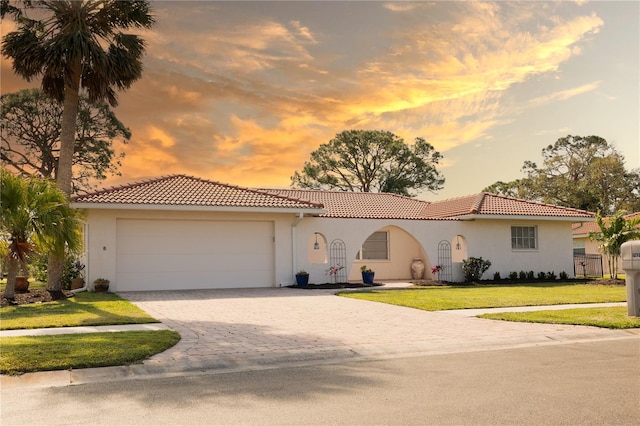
(183, 233)
(193, 254)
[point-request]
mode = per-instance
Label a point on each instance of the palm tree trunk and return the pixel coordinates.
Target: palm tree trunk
(65, 165)
(12, 273)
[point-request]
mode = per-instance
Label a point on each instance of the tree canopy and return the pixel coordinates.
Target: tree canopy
(30, 137)
(581, 172)
(74, 45)
(371, 161)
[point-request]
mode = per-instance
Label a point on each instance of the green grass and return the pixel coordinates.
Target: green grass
(83, 309)
(69, 351)
(490, 296)
(614, 317)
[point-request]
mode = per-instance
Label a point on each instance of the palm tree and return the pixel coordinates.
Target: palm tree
(74, 46)
(614, 232)
(34, 215)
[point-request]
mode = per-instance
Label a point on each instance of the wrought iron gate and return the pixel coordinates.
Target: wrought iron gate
(338, 260)
(444, 261)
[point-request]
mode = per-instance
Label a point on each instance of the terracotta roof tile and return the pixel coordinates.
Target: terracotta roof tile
(492, 204)
(364, 205)
(585, 228)
(181, 190)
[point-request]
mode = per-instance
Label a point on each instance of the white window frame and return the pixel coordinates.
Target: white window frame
(518, 241)
(359, 255)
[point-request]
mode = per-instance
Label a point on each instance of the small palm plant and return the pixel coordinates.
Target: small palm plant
(614, 232)
(34, 215)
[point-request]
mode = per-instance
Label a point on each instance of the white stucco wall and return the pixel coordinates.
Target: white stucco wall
(490, 239)
(102, 234)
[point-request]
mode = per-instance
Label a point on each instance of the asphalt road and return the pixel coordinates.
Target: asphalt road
(569, 384)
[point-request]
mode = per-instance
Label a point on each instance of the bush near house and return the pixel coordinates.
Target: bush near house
(474, 267)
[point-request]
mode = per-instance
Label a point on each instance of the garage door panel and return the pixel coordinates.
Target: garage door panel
(177, 254)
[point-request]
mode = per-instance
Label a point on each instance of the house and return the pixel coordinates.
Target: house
(182, 232)
(587, 251)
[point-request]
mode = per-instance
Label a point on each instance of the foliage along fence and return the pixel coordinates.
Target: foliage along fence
(587, 265)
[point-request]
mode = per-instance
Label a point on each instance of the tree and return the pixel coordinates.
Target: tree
(34, 215)
(76, 45)
(371, 161)
(614, 232)
(30, 133)
(580, 172)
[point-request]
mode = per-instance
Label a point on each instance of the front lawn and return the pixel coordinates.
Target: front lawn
(494, 296)
(83, 309)
(69, 351)
(613, 317)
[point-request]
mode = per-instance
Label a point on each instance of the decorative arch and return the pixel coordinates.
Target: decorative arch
(317, 248)
(402, 246)
(459, 248)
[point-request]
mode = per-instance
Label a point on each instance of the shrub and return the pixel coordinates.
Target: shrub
(496, 276)
(530, 275)
(551, 276)
(522, 275)
(564, 276)
(513, 275)
(542, 276)
(474, 267)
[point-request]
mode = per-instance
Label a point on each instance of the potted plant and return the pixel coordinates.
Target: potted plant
(302, 277)
(74, 274)
(367, 274)
(101, 285)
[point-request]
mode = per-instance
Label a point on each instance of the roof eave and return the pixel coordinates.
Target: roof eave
(571, 219)
(226, 209)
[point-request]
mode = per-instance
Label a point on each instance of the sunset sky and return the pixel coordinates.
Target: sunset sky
(243, 92)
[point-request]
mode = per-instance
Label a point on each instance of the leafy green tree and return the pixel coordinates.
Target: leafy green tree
(34, 215)
(580, 172)
(371, 161)
(614, 232)
(30, 123)
(74, 46)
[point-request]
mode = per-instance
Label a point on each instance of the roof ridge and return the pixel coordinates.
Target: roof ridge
(328, 191)
(265, 191)
(539, 203)
(127, 186)
(165, 178)
(479, 198)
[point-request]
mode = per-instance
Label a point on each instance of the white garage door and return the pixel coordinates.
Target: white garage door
(194, 254)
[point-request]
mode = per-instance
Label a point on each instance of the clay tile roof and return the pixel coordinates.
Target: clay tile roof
(360, 205)
(181, 190)
(498, 205)
(585, 228)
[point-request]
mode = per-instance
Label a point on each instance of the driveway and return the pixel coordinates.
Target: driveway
(247, 328)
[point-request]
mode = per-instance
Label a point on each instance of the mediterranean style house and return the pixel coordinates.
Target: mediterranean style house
(182, 232)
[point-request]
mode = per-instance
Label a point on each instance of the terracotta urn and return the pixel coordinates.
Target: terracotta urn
(417, 269)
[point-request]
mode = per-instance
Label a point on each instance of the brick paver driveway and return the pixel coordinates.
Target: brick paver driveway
(248, 327)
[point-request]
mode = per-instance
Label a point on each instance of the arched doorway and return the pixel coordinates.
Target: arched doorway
(389, 251)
